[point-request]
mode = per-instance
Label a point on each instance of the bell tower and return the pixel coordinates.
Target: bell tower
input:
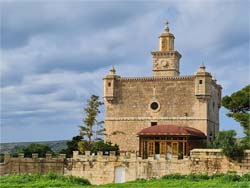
(166, 60)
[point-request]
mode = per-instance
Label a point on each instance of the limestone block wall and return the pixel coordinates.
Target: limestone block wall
(212, 161)
(131, 112)
(23, 165)
(102, 169)
(208, 161)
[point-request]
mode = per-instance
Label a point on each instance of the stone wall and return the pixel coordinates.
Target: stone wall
(101, 169)
(212, 161)
(21, 164)
(131, 112)
(181, 100)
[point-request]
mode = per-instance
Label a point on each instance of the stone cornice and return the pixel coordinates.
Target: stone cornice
(166, 54)
(158, 118)
(157, 78)
(151, 118)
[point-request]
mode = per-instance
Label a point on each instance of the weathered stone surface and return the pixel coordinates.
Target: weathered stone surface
(100, 169)
(192, 101)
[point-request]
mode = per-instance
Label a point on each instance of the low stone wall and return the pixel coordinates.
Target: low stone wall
(212, 161)
(21, 164)
(101, 169)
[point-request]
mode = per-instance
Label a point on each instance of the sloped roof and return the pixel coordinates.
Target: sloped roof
(172, 130)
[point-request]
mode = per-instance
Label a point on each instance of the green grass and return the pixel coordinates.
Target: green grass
(174, 180)
(41, 181)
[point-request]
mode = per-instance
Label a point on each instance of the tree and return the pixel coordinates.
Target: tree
(227, 142)
(72, 146)
(40, 149)
(98, 146)
(104, 147)
(90, 121)
(238, 105)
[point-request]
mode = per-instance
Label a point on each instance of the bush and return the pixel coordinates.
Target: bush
(231, 177)
(102, 146)
(51, 176)
(72, 146)
(198, 177)
(174, 176)
(98, 146)
(76, 180)
(227, 142)
(245, 177)
(40, 149)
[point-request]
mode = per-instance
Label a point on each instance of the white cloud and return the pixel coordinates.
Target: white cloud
(59, 53)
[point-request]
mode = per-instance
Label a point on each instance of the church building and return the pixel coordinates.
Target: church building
(166, 113)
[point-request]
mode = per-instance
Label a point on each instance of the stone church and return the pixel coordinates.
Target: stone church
(167, 113)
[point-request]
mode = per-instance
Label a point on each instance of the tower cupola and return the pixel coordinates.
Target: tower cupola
(166, 60)
(166, 42)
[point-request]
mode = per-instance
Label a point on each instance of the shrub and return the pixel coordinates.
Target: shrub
(40, 149)
(231, 177)
(227, 142)
(98, 146)
(245, 177)
(174, 176)
(76, 180)
(51, 176)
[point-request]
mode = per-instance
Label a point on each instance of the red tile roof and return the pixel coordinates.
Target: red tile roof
(172, 130)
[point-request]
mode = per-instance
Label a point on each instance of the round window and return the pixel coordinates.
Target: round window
(154, 106)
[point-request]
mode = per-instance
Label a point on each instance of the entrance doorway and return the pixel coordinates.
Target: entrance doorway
(119, 174)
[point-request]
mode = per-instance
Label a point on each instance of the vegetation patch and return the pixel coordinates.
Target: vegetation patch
(200, 180)
(173, 180)
(41, 181)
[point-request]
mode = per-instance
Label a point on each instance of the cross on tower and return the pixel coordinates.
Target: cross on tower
(166, 26)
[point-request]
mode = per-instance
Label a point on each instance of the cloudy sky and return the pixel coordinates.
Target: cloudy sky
(55, 53)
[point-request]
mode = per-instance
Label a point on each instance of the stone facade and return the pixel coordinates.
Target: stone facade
(102, 169)
(192, 101)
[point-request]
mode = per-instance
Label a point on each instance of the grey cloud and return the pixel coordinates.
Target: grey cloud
(22, 20)
(55, 55)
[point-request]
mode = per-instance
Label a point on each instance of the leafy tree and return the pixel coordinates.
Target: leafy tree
(72, 146)
(83, 146)
(105, 147)
(90, 121)
(40, 149)
(97, 146)
(238, 105)
(227, 142)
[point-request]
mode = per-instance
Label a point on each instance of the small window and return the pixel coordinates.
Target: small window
(200, 81)
(153, 123)
(109, 84)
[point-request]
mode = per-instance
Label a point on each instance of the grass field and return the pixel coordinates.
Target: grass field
(55, 181)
